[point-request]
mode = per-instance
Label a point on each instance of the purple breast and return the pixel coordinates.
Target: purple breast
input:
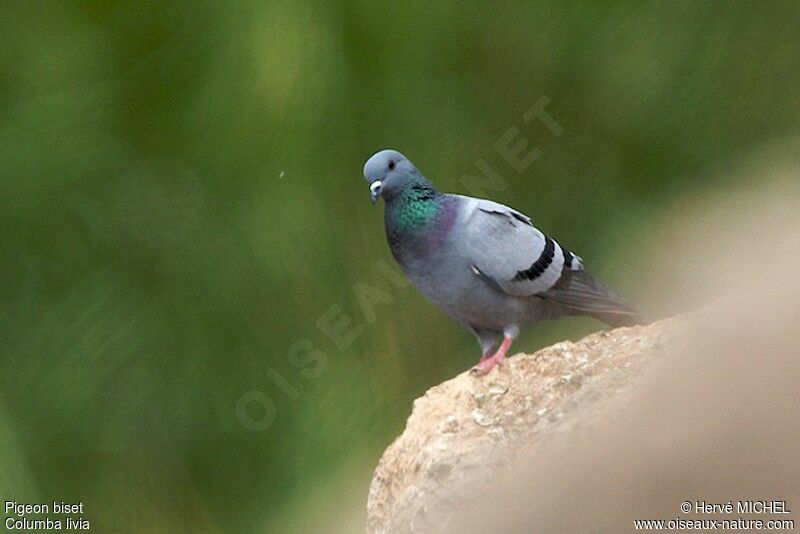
(442, 224)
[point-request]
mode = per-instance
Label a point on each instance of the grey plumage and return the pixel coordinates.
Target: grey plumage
(483, 263)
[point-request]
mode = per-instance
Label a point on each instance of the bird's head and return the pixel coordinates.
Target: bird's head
(387, 172)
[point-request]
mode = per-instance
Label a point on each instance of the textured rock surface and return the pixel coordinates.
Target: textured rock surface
(466, 430)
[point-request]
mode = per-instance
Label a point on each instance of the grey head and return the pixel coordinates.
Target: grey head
(387, 172)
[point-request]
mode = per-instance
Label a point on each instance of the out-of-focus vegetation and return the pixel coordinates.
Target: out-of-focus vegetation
(181, 203)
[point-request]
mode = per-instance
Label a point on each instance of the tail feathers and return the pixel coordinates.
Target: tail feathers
(580, 294)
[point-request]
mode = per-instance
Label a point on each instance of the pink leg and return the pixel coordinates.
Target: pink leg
(487, 363)
(488, 354)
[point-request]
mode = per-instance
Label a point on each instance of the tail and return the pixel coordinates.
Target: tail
(580, 294)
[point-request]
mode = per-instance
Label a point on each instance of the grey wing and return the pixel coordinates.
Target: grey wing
(510, 253)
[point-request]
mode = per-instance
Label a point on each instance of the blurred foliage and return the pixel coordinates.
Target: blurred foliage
(182, 202)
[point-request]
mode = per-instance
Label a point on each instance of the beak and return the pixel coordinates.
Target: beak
(375, 191)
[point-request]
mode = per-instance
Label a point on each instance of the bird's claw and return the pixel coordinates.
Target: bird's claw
(484, 366)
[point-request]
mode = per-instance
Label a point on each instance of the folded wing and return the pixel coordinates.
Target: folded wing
(513, 256)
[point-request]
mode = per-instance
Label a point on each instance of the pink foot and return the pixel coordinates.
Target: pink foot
(487, 363)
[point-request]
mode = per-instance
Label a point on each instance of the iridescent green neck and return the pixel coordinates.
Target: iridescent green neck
(415, 206)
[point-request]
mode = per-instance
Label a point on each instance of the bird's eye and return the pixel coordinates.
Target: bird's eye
(391, 165)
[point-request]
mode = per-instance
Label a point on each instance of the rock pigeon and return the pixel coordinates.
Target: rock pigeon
(481, 262)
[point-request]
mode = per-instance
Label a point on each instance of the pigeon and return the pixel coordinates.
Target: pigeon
(481, 262)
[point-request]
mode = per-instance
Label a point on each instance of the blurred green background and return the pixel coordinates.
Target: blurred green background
(181, 203)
